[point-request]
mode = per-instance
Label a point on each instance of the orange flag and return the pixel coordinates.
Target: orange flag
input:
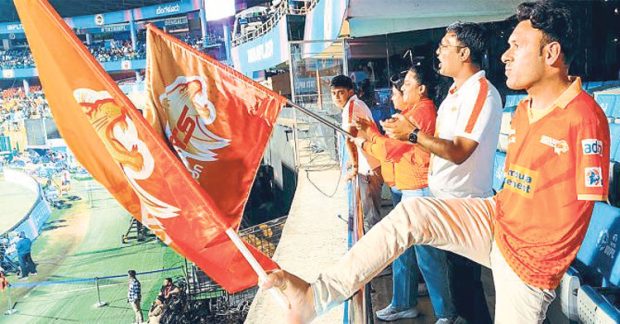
(109, 136)
(216, 119)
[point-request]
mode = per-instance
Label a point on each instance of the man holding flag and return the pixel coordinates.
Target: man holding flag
(528, 249)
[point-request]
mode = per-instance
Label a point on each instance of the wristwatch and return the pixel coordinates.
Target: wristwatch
(413, 137)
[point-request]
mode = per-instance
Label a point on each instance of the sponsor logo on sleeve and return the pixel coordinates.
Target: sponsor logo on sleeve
(592, 146)
(594, 178)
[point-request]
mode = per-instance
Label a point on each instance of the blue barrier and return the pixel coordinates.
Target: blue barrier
(83, 280)
(111, 66)
(116, 17)
(35, 218)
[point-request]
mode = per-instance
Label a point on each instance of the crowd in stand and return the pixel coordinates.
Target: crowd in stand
(118, 50)
(16, 58)
(114, 50)
(17, 105)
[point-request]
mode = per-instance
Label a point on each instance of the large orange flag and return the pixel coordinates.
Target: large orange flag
(109, 136)
(217, 120)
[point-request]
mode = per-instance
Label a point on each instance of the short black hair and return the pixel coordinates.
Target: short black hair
(169, 280)
(425, 75)
(342, 81)
(474, 36)
(132, 273)
(554, 20)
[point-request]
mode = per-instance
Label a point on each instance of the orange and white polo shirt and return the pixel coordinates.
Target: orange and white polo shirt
(473, 111)
(557, 165)
(407, 164)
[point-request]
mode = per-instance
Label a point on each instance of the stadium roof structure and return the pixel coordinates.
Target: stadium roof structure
(407, 15)
(72, 8)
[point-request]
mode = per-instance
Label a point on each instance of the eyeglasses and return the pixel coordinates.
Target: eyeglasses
(442, 46)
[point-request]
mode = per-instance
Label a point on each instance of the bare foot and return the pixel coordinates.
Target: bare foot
(297, 291)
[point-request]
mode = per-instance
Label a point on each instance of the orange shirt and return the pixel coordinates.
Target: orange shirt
(405, 162)
(557, 165)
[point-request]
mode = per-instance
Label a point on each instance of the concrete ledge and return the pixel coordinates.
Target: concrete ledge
(313, 238)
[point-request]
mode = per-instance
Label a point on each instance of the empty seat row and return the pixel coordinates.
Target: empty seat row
(513, 99)
(590, 289)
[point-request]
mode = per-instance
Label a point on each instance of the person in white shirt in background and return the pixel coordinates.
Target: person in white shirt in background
(361, 165)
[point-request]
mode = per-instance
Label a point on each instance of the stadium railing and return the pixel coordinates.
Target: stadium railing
(280, 11)
(83, 284)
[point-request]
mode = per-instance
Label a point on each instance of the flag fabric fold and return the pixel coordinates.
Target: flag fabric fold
(114, 142)
(217, 120)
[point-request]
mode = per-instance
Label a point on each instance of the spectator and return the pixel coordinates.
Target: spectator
(363, 168)
(168, 290)
(65, 177)
(23, 247)
(157, 310)
(3, 281)
(134, 295)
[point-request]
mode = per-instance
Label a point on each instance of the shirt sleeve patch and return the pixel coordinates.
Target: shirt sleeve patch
(593, 177)
(592, 146)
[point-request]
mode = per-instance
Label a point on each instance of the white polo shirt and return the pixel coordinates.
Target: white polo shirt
(474, 112)
(366, 162)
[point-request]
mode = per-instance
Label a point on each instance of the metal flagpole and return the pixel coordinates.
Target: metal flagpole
(320, 119)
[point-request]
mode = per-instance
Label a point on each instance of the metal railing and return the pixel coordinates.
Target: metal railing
(219, 305)
(83, 285)
(281, 10)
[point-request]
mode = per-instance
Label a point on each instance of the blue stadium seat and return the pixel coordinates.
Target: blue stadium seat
(513, 99)
(498, 170)
(504, 130)
(609, 102)
(598, 261)
(614, 134)
(595, 308)
(611, 83)
(591, 85)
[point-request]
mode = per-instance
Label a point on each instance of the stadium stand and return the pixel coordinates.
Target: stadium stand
(103, 51)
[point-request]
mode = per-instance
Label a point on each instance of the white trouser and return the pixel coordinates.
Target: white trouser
(463, 226)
